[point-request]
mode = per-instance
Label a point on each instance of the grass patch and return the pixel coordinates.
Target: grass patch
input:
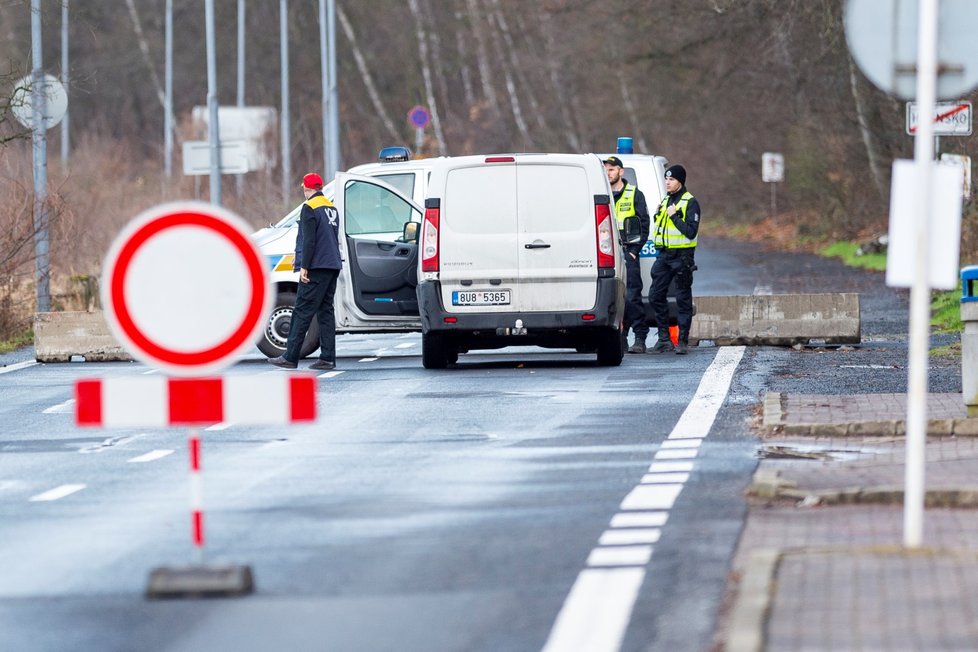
(848, 252)
(17, 341)
(945, 311)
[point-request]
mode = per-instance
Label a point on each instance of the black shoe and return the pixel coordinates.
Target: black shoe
(637, 347)
(323, 365)
(681, 349)
(282, 362)
(662, 346)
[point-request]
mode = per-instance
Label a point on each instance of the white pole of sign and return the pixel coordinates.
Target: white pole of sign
(913, 496)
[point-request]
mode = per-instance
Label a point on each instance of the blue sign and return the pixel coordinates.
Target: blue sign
(419, 117)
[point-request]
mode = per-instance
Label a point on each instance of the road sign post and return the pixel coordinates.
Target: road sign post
(161, 309)
(419, 117)
(772, 171)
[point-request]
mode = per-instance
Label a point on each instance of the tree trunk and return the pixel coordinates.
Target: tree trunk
(626, 98)
(463, 62)
(482, 56)
(875, 163)
(366, 77)
(144, 49)
(558, 84)
(426, 73)
(518, 69)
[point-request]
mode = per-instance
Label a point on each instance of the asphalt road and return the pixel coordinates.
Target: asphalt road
(524, 500)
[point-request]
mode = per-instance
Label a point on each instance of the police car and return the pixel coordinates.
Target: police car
(376, 291)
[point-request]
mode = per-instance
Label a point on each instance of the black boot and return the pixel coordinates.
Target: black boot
(664, 345)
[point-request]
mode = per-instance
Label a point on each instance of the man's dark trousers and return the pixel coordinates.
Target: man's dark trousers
(314, 298)
(669, 264)
(634, 310)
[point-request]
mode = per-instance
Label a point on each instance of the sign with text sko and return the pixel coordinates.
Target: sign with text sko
(185, 289)
(950, 119)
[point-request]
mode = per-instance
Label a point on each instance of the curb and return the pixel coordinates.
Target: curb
(768, 483)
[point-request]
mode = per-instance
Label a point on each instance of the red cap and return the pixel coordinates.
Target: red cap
(313, 181)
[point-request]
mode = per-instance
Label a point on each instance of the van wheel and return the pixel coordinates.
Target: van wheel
(275, 335)
(611, 348)
(434, 354)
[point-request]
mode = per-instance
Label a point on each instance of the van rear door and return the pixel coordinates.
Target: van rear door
(377, 288)
(557, 249)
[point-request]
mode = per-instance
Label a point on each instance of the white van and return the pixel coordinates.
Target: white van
(520, 249)
(376, 291)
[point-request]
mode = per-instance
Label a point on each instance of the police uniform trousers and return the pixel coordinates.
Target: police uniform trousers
(673, 264)
(314, 298)
(634, 310)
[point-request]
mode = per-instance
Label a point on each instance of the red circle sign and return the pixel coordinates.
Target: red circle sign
(185, 289)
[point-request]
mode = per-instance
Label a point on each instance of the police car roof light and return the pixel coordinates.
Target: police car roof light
(624, 146)
(392, 154)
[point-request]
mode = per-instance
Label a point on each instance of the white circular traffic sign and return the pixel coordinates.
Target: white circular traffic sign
(185, 289)
(55, 101)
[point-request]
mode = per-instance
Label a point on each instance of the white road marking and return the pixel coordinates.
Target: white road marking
(628, 537)
(105, 444)
(681, 443)
(405, 345)
(150, 371)
(367, 359)
(61, 408)
(762, 289)
(669, 467)
(224, 425)
(676, 453)
(620, 556)
(639, 519)
(57, 492)
(151, 456)
(597, 610)
(663, 478)
(17, 365)
(330, 374)
(645, 496)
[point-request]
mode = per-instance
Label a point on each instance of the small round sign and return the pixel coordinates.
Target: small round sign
(419, 117)
(185, 289)
(55, 101)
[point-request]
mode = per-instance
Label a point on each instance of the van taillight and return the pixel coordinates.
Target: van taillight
(605, 235)
(429, 240)
(500, 159)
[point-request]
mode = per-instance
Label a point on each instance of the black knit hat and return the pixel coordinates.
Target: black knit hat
(678, 173)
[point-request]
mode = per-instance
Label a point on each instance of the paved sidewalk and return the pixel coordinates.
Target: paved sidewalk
(820, 565)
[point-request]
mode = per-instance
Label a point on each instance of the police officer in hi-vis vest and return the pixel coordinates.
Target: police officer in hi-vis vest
(674, 232)
(317, 259)
(629, 201)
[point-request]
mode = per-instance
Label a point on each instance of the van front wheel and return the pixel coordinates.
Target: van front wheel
(611, 348)
(434, 353)
(275, 335)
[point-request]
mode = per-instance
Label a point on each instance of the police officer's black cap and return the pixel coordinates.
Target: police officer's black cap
(677, 172)
(614, 160)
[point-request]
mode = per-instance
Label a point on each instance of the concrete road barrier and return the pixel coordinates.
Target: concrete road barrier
(60, 335)
(777, 319)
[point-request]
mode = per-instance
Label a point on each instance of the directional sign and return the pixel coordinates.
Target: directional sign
(419, 117)
(185, 289)
(950, 119)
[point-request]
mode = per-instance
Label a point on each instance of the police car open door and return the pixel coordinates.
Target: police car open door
(377, 287)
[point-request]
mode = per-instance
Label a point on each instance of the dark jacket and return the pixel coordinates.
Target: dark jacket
(690, 226)
(317, 242)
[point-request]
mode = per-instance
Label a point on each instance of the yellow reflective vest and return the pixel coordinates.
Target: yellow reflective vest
(665, 232)
(625, 206)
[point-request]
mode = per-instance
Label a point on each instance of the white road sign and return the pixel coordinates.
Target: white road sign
(950, 119)
(55, 101)
(772, 167)
(234, 157)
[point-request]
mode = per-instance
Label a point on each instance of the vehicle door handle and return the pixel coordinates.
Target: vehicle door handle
(536, 245)
(402, 252)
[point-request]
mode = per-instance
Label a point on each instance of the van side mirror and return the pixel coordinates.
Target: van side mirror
(633, 231)
(410, 233)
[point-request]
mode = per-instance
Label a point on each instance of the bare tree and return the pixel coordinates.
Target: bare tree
(546, 23)
(482, 56)
(426, 73)
(144, 49)
(463, 59)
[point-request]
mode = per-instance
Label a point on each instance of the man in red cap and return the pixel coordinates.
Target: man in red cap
(317, 259)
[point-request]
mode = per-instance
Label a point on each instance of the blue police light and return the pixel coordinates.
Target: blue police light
(392, 154)
(625, 146)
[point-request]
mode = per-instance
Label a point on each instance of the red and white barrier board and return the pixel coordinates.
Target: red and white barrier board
(147, 401)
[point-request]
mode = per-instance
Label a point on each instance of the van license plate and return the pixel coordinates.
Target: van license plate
(480, 298)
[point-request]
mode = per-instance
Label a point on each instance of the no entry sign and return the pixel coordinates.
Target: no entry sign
(185, 289)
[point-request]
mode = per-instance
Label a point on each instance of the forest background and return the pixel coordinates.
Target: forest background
(710, 84)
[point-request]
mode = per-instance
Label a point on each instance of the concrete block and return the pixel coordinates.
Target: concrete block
(200, 582)
(60, 335)
(778, 319)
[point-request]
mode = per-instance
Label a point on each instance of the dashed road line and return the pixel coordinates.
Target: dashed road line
(597, 610)
(404, 345)
(331, 374)
(367, 359)
(61, 408)
(151, 456)
(224, 425)
(57, 493)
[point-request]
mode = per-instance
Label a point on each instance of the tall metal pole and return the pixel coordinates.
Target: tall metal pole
(284, 136)
(213, 130)
(40, 145)
(333, 165)
(324, 68)
(239, 179)
(64, 81)
(168, 93)
(913, 500)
